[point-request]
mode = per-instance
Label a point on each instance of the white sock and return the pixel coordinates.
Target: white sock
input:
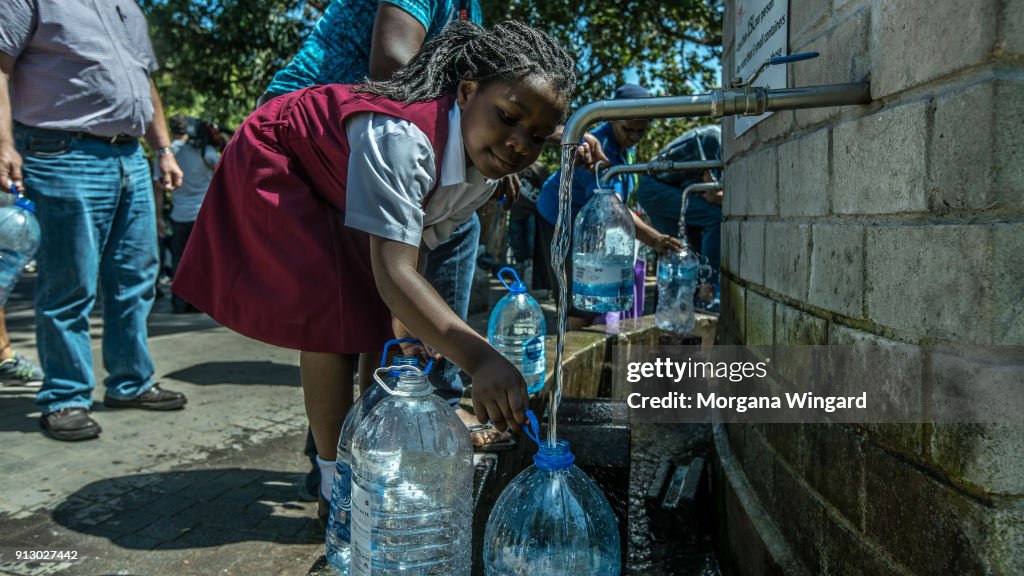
(327, 468)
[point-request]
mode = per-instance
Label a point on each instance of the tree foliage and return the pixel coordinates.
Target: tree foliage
(672, 48)
(217, 56)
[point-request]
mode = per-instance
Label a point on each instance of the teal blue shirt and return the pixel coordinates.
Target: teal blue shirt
(338, 49)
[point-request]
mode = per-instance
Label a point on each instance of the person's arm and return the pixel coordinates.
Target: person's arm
(661, 243)
(10, 160)
(499, 391)
(159, 140)
(397, 37)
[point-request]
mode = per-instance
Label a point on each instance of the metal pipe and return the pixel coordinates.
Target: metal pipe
(700, 187)
(749, 101)
(658, 166)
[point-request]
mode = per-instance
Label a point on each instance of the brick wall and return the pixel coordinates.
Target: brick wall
(900, 221)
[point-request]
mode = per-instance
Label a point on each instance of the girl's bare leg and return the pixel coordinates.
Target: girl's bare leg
(327, 390)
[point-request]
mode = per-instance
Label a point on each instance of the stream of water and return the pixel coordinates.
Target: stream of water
(559, 252)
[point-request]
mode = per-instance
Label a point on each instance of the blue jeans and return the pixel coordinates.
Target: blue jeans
(450, 269)
(94, 202)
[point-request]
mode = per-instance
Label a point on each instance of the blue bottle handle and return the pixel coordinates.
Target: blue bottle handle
(397, 341)
(792, 58)
(518, 282)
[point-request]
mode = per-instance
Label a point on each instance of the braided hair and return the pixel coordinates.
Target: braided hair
(506, 52)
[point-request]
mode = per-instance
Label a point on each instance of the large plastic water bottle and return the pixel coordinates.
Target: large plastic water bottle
(602, 260)
(19, 240)
(338, 534)
(412, 480)
(677, 282)
(517, 328)
(551, 519)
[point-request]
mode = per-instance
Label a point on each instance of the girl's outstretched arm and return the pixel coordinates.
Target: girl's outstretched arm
(499, 391)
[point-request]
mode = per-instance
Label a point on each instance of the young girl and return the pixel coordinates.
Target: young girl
(312, 229)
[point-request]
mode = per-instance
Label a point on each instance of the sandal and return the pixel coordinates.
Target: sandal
(500, 446)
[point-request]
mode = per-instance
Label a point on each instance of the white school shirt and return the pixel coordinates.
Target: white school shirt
(391, 169)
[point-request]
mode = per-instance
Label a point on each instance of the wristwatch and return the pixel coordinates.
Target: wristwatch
(164, 151)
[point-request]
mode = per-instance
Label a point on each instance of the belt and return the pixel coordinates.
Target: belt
(115, 140)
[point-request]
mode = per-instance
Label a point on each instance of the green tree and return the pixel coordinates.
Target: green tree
(217, 56)
(672, 48)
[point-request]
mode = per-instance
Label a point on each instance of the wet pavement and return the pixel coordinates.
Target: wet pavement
(211, 489)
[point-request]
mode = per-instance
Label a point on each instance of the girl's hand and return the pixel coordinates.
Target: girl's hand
(665, 244)
(499, 394)
(590, 152)
(507, 191)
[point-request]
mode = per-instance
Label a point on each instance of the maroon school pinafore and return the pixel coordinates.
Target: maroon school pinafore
(270, 256)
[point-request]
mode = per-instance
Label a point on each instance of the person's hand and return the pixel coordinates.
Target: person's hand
(713, 197)
(499, 393)
(170, 173)
(590, 152)
(665, 244)
(418, 350)
(10, 167)
(161, 228)
(507, 190)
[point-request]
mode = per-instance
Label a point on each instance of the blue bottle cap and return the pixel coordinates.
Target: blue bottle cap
(517, 287)
(396, 341)
(25, 203)
(549, 456)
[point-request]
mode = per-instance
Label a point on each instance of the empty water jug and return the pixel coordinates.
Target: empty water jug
(516, 329)
(603, 240)
(338, 536)
(677, 283)
(551, 519)
(19, 239)
(412, 479)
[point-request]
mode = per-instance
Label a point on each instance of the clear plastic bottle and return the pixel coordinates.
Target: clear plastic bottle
(677, 282)
(603, 241)
(19, 240)
(516, 329)
(339, 526)
(552, 519)
(412, 480)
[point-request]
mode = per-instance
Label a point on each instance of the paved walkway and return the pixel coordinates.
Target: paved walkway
(207, 490)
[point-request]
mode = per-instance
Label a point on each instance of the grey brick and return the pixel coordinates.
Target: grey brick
(971, 386)
(794, 331)
(804, 15)
(787, 258)
(878, 163)
(931, 280)
(800, 516)
(731, 145)
(732, 327)
(731, 246)
(844, 57)
(1008, 284)
(751, 250)
(914, 42)
(899, 377)
(837, 268)
(929, 527)
(1012, 27)
(753, 180)
(835, 468)
(760, 319)
(803, 175)
(977, 152)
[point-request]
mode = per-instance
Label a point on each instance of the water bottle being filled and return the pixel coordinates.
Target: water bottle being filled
(19, 240)
(603, 254)
(551, 519)
(338, 534)
(677, 282)
(412, 477)
(516, 329)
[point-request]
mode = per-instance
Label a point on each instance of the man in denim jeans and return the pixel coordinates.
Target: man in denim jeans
(75, 81)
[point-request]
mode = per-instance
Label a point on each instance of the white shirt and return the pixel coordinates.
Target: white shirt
(391, 169)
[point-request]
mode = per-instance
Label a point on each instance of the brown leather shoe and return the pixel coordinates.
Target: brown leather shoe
(69, 425)
(156, 398)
